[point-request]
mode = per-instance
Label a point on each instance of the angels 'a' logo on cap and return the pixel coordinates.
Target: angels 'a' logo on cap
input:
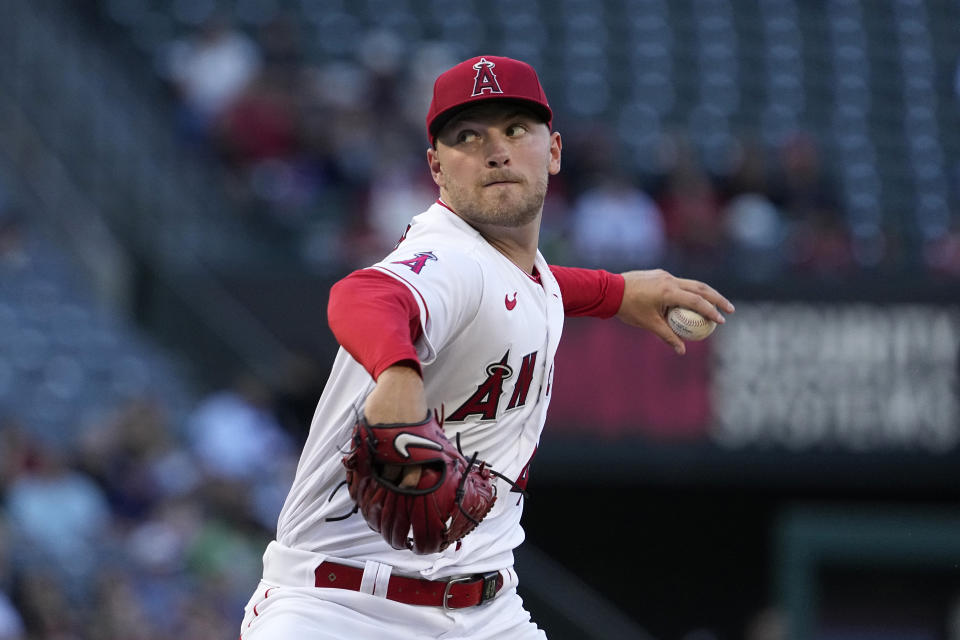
(485, 79)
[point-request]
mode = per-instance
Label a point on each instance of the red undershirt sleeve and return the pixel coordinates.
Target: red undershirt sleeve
(589, 292)
(376, 319)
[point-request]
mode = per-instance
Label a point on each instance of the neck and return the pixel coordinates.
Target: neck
(518, 244)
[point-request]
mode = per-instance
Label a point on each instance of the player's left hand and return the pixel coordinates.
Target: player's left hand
(648, 295)
(450, 499)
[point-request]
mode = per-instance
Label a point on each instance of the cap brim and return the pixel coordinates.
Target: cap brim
(444, 117)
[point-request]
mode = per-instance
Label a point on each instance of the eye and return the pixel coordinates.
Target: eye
(516, 130)
(466, 136)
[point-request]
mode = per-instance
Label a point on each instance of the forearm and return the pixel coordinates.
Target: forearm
(397, 397)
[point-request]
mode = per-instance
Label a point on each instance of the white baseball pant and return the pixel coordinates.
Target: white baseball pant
(311, 613)
(287, 605)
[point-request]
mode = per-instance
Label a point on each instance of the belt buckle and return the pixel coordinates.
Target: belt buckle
(446, 590)
(488, 591)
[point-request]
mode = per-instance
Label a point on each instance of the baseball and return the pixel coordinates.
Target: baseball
(689, 324)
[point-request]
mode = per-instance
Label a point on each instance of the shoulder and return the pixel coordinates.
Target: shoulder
(437, 244)
(433, 263)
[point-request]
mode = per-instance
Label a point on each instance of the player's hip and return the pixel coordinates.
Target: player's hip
(281, 612)
(315, 594)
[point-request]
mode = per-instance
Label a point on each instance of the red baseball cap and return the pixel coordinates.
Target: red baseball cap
(485, 78)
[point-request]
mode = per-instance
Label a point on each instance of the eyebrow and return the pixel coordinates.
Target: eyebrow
(516, 113)
(510, 115)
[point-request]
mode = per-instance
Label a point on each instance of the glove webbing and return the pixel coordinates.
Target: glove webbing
(513, 485)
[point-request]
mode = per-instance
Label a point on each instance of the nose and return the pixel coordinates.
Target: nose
(498, 155)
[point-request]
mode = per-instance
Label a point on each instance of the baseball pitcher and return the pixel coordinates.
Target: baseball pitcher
(405, 510)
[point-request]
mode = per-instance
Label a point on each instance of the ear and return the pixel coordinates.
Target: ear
(556, 146)
(436, 170)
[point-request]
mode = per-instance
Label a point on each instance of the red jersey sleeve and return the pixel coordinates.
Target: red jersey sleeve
(376, 319)
(589, 292)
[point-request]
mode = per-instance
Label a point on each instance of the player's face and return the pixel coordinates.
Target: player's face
(492, 164)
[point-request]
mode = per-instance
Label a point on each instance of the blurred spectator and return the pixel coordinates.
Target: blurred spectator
(692, 214)
(401, 188)
(189, 568)
(422, 65)
(157, 548)
(59, 517)
(223, 557)
(247, 456)
(748, 169)
(132, 456)
(616, 225)
(235, 434)
(260, 123)
(258, 137)
(157, 544)
(753, 226)
(344, 91)
(801, 187)
(818, 240)
(755, 234)
(383, 58)
(341, 141)
(209, 70)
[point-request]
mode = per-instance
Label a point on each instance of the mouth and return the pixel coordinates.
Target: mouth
(494, 183)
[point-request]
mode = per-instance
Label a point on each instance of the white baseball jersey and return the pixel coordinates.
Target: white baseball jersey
(490, 332)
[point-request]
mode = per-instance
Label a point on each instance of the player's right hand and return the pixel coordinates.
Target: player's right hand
(647, 296)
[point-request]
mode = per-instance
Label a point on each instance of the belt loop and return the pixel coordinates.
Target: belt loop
(368, 583)
(382, 581)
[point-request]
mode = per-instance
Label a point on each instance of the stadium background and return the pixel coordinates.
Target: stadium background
(181, 181)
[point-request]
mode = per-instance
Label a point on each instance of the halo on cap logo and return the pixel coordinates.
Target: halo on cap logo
(485, 79)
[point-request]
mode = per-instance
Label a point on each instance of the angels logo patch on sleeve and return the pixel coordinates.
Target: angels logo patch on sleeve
(418, 261)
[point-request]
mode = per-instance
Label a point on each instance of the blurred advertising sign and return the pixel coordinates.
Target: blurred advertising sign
(794, 377)
(863, 378)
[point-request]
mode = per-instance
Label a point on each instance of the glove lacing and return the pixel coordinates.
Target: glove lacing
(461, 487)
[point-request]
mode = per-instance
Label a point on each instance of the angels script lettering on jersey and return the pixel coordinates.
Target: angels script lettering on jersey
(486, 399)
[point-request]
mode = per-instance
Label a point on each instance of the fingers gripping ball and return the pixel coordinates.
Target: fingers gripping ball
(452, 497)
(689, 324)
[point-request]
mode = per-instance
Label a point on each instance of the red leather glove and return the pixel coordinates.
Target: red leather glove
(451, 498)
